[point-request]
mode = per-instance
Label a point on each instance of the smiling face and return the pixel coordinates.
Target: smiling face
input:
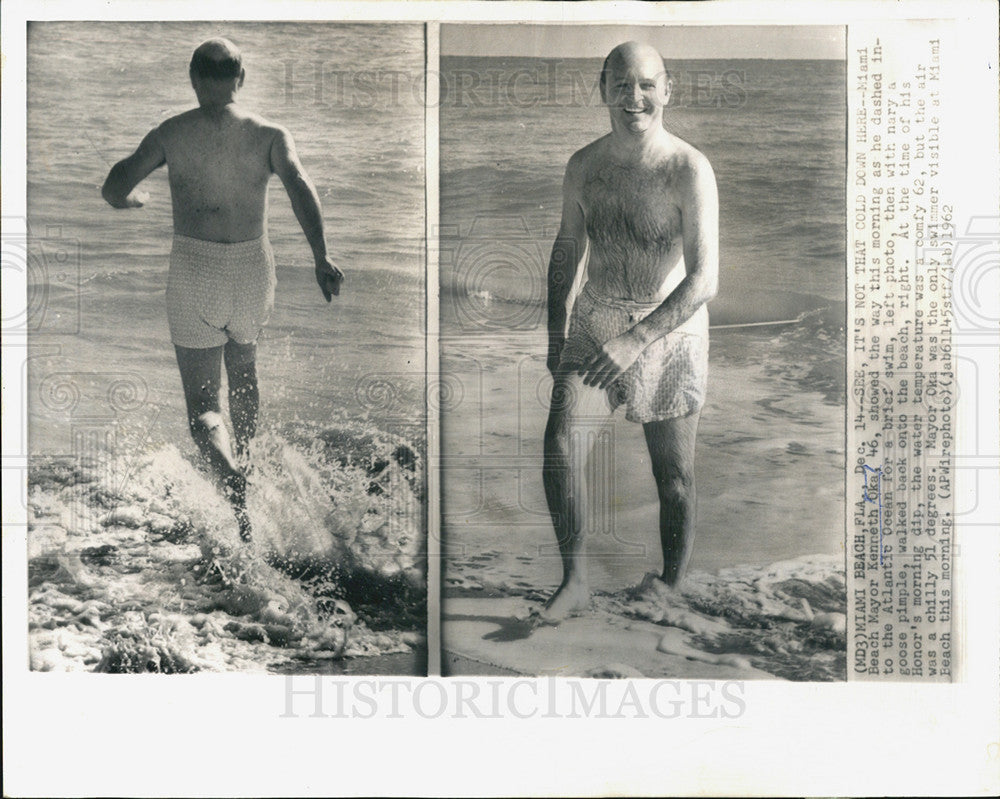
(635, 87)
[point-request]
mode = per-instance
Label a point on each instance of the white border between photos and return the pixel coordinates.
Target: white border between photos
(79, 734)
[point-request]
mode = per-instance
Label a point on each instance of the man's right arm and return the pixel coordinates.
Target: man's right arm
(567, 254)
(119, 187)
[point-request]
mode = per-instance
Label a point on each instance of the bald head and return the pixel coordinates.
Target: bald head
(632, 57)
(217, 59)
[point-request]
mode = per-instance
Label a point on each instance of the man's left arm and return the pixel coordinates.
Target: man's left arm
(700, 229)
(305, 204)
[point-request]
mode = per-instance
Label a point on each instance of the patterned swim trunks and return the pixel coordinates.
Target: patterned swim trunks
(669, 378)
(217, 291)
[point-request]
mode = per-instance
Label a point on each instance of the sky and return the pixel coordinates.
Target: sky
(673, 41)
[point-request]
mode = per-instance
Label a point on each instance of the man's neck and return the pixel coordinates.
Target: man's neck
(634, 147)
(217, 97)
(218, 111)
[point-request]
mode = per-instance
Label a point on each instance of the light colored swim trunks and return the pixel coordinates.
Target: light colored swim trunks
(218, 291)
(669, 378)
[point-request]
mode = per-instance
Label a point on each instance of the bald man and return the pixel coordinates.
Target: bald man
(220, 289)
(643, 205)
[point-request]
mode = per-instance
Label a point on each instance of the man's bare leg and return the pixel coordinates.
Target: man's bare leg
(567, 449)
(201, 373)
(671, 450)
(244, 397)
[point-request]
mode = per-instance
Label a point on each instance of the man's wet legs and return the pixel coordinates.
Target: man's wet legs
(671, 445)
(244, 397)
(201, 372)
(574, 415)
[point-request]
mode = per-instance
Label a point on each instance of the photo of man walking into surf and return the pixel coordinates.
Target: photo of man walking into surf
(243, 523)
(220, 290)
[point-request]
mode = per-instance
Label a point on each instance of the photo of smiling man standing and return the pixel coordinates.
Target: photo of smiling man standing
(574, 288)
(645, 204)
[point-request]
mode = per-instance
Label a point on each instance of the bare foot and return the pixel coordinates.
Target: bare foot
(654, 589)
(570, 598)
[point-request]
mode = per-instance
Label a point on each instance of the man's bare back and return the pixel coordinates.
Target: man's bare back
(219, 160)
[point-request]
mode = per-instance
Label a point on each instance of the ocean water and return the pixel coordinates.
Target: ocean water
(115, 487)
(770, 461)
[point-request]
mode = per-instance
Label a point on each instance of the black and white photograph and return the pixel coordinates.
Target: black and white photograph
(649, 217)
(226, 328)
(500, 398)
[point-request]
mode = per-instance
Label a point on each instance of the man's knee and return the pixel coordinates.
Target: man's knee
(241, 359)
(675, 485)
(556, 440)
(204, 423)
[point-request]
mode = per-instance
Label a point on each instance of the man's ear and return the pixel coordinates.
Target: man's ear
(668, 86)
(243, 75)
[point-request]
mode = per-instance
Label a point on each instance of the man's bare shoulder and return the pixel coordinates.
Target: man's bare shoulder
(271, 136)
(266, 126)
(688, 162)
(178, 123)
(585, 159)
(585, 156)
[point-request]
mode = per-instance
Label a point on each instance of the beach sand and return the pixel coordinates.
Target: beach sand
(784, 621)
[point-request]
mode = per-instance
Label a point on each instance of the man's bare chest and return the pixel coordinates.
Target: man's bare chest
(630, 206)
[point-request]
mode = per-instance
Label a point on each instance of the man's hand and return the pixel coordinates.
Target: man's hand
(329, 278)
(136, 199)
(617, 355)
